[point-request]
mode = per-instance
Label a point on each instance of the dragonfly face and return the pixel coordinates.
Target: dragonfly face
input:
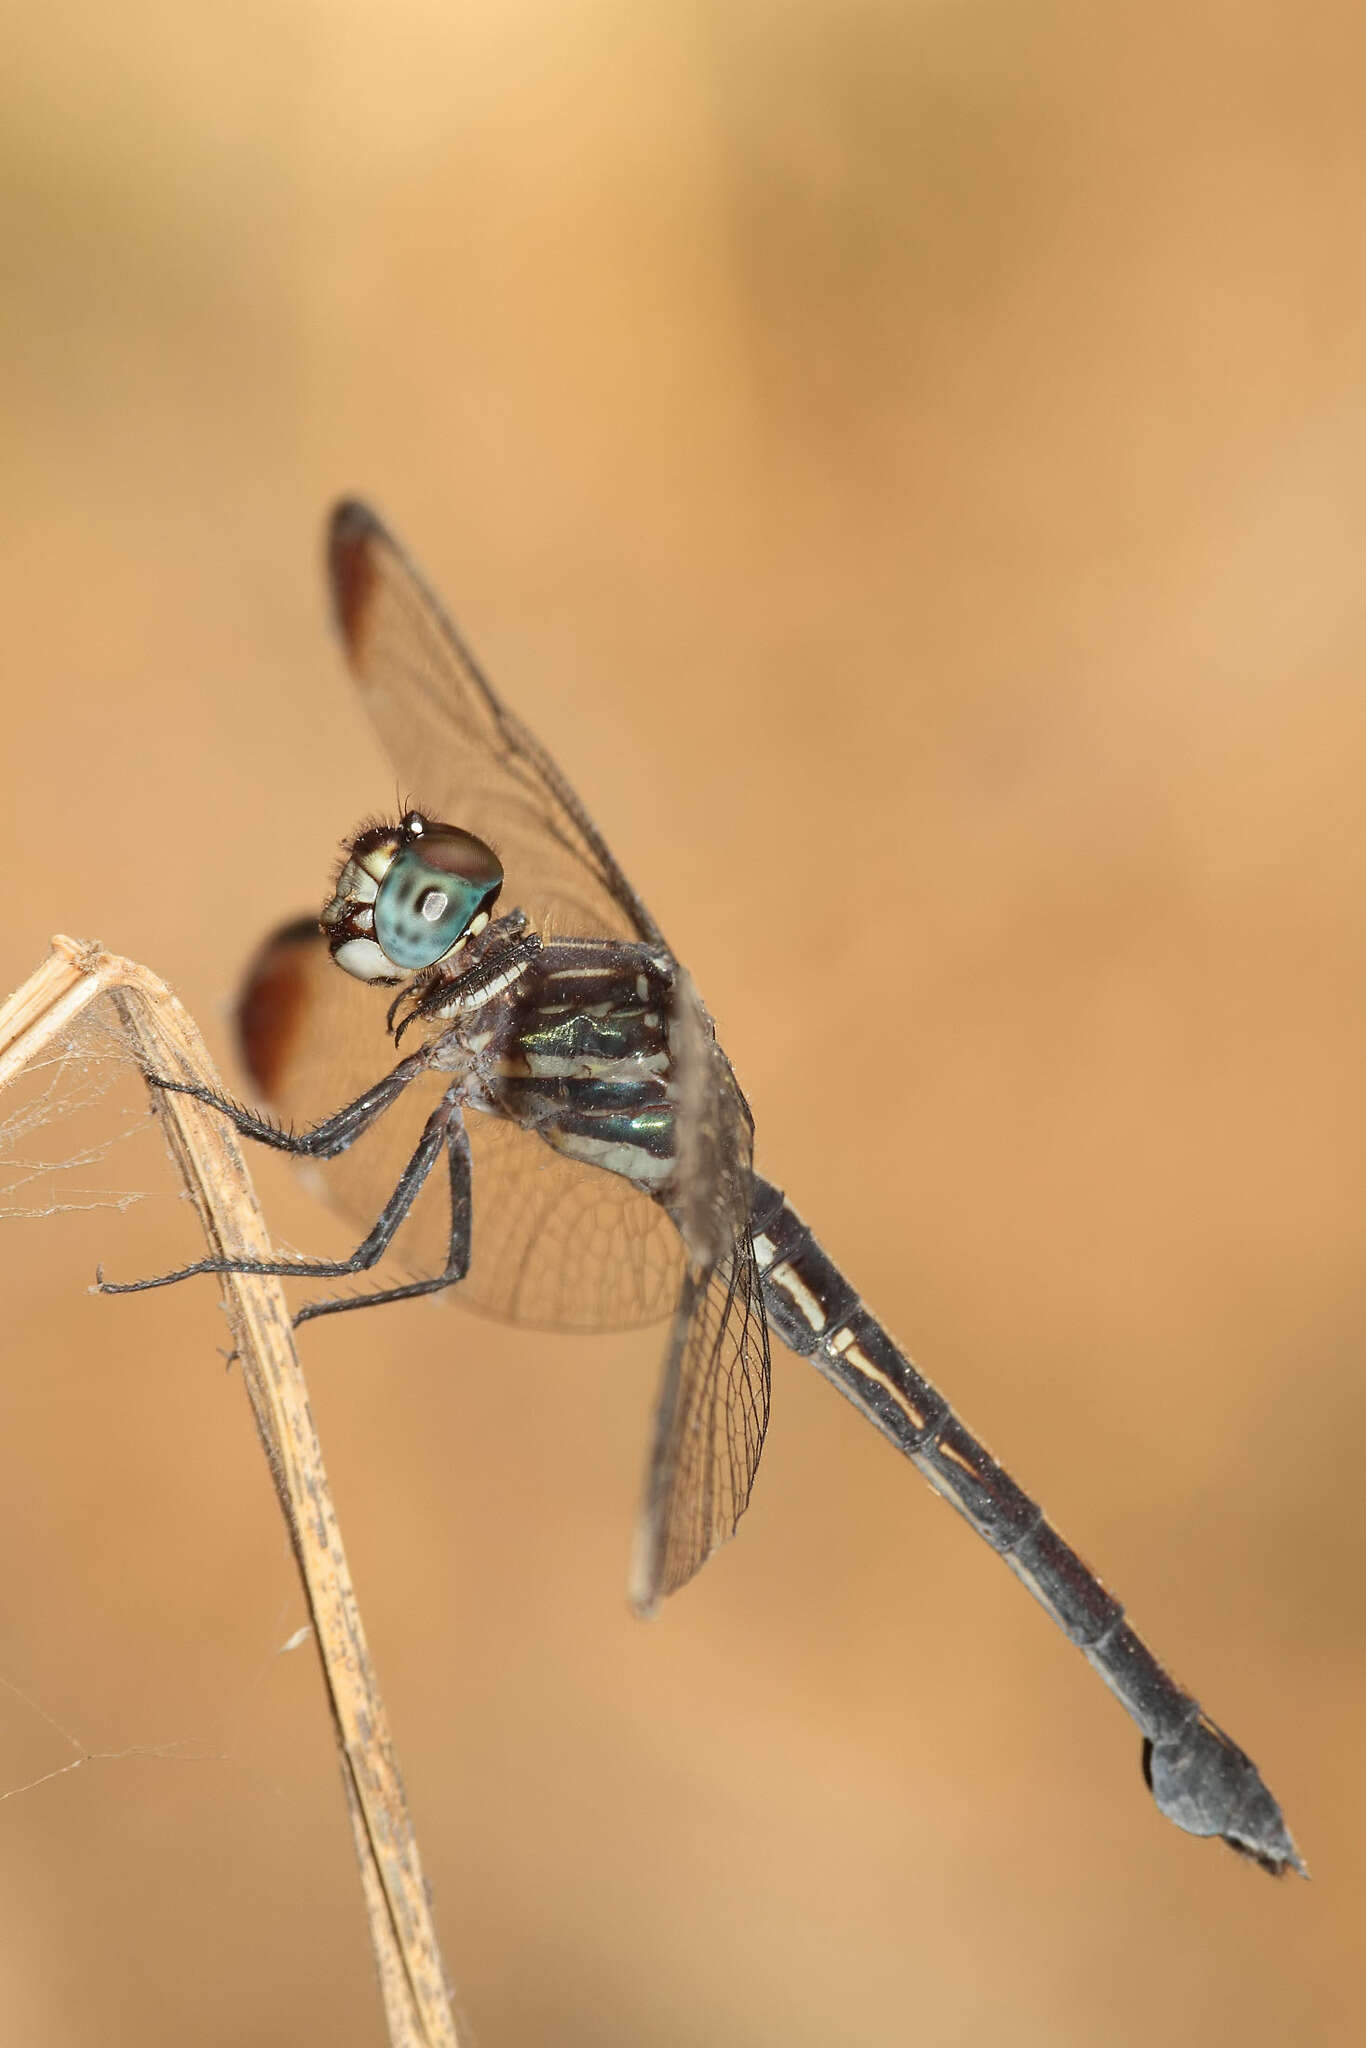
(407, 898)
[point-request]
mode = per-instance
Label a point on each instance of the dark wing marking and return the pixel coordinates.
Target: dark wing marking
(556, 1244)
(464, 756)
(712, 1412)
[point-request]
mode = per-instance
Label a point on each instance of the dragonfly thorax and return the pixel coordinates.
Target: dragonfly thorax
(408, 896)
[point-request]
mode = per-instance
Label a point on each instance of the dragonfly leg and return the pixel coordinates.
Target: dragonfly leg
(325, 1140)
(458, 1251)
(436, 1133)
(506, 938)
(445, 995)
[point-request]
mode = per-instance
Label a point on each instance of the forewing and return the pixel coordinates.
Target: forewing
(712, 1413)
(557, 1245)
(462, 754)
(554, 1242)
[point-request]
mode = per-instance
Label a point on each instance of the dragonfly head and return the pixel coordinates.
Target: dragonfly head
(408, 896)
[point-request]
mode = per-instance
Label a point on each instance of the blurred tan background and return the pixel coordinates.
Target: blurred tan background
(910, 464)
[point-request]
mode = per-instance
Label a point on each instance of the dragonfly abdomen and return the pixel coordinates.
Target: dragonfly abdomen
(1198, 1776)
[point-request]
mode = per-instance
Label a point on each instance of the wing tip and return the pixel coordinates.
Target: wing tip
(643, 1589)
(271, 1002)
(353, 532)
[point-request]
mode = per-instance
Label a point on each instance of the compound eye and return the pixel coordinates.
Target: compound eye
(435, 888)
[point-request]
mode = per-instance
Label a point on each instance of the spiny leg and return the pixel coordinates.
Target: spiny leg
(504, 938)
(445, 996)
(435, 1134)
(458, 1251)
(325, 1140)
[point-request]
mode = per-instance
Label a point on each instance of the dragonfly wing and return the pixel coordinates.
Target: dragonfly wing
(464, 756)
(712, 1412)
(709, 1426)
(557, 1244)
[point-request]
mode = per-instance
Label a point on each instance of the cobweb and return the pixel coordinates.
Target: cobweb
(65, 1127)
(65, 1122)
(183, 1749)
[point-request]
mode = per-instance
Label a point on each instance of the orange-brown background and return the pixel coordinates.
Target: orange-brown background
(910, 463)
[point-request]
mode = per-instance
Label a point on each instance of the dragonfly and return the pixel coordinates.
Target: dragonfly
(564, 1143)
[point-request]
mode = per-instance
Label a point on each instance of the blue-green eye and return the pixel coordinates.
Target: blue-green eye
(436, 886)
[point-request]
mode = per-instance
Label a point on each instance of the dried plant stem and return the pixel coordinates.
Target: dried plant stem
(162, 1038)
